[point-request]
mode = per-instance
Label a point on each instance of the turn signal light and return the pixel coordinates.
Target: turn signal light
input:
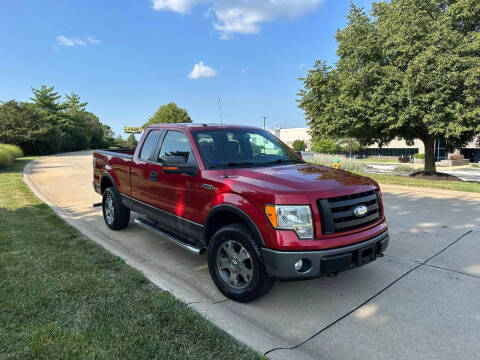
(272, 215)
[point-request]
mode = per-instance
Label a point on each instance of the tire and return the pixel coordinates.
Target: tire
(236, 264)
(115, 214)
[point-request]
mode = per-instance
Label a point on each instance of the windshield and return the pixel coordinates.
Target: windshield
(226, 148)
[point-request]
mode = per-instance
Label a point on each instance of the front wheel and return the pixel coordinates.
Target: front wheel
(115, 214)
(236, 264)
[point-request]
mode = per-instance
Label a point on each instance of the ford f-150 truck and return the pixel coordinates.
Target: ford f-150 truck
(240, 193)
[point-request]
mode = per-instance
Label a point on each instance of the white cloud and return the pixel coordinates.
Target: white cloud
(201, 70)
(181, 6)
(241, 16)
(66, 41)
(62, 40)
(93, 40)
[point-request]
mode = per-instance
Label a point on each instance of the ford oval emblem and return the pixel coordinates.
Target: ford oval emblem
(360, 210)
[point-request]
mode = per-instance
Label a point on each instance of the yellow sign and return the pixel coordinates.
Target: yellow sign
(133, 130)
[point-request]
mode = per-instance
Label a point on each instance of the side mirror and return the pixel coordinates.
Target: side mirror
(177, 165)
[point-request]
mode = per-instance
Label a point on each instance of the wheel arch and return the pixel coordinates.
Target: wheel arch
(226, 214)
(106, 181)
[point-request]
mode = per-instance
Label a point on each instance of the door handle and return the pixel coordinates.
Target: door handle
(154, 176)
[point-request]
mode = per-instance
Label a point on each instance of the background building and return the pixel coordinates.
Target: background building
(395, 148)
(288, 136)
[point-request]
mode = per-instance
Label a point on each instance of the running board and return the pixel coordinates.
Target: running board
(176, 240)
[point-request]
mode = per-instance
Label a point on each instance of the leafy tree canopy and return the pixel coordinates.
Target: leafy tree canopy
(169, 113)
(48, 125)
(411, 70)
(46, 99)
(73, 104)
(131, 142)
(23, 124)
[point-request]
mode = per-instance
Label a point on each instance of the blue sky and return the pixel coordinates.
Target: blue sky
(128, 57)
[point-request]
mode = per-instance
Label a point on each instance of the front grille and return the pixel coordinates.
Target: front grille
(337, 213)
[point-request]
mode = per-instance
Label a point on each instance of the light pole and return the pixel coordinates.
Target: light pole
(264, 122)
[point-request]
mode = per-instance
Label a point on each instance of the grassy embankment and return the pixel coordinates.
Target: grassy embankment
(63, 297)
(411, 181)
(359, 167)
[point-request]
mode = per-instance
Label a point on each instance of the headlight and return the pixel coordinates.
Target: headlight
(291, 217)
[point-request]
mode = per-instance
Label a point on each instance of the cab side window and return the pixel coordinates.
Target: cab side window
(149, 145)
(176, 144)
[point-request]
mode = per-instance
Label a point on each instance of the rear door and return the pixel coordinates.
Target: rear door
(141, 163)
(178, 196)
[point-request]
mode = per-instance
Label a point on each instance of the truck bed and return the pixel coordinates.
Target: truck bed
(118, 161)
(125, 153)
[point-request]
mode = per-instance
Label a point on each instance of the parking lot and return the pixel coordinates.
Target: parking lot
(422, 300)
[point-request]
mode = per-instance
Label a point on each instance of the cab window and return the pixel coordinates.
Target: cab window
(149, 145)
(176, 144)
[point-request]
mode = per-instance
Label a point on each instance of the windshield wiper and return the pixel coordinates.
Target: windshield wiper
(232, 163)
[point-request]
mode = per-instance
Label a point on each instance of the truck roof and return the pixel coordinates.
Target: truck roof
(201, 126)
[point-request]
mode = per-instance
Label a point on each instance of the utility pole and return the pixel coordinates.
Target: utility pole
(264, 122)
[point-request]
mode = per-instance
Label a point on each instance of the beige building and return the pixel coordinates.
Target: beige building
(395, 148)
(288, 136)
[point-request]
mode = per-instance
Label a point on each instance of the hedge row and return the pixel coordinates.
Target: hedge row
(8, 153)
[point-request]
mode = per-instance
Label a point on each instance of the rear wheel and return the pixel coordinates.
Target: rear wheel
(236, 264)
(115, 214)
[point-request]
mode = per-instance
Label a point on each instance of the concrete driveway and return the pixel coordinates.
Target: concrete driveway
(420, 301)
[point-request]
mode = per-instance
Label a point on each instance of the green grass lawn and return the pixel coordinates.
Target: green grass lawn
(410, 181)
(64, 297)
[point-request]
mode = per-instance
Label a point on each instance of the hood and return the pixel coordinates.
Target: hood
(300, 178)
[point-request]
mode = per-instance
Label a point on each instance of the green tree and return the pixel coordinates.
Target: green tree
(299, 145)
(73, 104)
(349, 145)
(169, 113)
(108, 136)
(120, 142)
(411, 71)
(131, 142)
(46, 99)
(94, 131)
(23, 124)
(324, 145)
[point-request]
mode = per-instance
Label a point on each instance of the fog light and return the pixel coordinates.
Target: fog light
(298, 265)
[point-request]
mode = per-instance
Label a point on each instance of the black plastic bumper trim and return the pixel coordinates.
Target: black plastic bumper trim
(280, 264)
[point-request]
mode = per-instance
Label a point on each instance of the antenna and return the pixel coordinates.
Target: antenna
(225, 175)
(220, 110)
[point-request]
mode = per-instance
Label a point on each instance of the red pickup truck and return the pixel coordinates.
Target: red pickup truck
(240, 193)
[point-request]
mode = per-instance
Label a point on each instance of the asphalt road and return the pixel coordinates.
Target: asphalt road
(420, 301)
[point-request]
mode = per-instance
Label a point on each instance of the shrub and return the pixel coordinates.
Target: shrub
(299, 145)
(419, 156)
(325, 146)
(5, 157)
(14, 150)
